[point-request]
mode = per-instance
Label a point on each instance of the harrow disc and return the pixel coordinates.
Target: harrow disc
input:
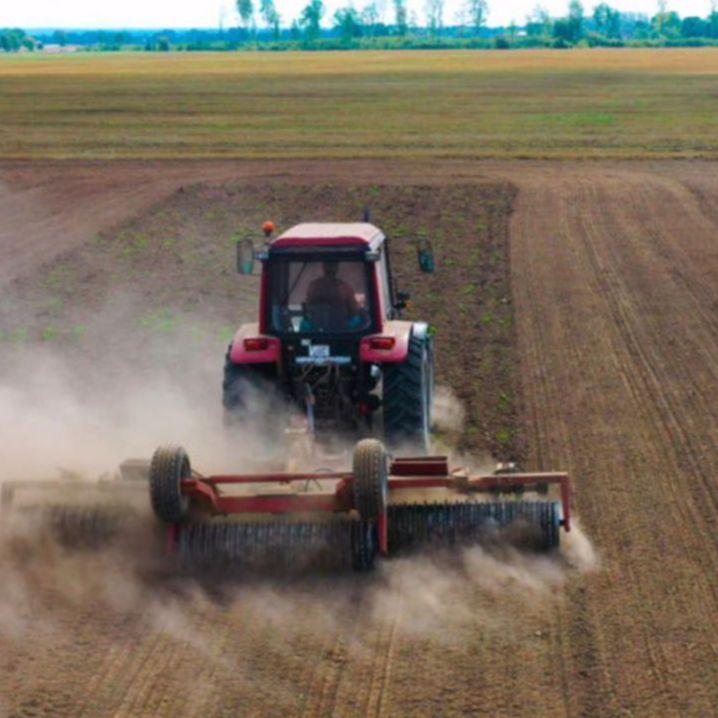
(290, 546)
(79, 526)
(83, 526)
(535, 523)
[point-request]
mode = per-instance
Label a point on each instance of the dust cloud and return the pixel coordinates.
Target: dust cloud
(61, 415)
(61, 418)
(448, 412)
(578, 550)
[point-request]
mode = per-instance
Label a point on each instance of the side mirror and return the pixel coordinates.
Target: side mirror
(425, 256)
(245, 256)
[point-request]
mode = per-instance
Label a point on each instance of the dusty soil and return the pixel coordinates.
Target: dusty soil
(161, 286)
(613, 273)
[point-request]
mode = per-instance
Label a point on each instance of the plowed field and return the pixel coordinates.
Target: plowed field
(614, 296)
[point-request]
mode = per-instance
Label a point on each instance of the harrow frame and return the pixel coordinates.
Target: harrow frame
(407, 473)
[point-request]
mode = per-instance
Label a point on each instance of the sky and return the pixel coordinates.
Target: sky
(206, 13)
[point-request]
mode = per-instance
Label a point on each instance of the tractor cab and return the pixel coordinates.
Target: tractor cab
(329, 337)
(319, 295)
(323, 279)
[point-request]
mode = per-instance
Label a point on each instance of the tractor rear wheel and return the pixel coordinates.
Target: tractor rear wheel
(408, 393)
(169, 466)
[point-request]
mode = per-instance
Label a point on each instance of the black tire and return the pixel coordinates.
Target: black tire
(551, 526)
(169, 465)
(408, 394)
(371, 477)
(364, 545)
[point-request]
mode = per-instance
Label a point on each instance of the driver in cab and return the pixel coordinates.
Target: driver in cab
(330, 290)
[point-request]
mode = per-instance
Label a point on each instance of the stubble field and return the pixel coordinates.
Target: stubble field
(529, 104)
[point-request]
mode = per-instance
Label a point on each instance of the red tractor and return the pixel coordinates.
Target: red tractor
(330, 339)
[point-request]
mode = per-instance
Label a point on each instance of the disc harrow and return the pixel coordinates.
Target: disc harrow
(535, 523)
(282, 545)
(298, 520)
(274, 522)
(76, 514)
(81, 526)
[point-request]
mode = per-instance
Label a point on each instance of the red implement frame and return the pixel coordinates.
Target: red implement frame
(430, 472)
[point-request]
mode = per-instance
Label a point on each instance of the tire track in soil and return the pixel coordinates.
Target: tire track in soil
(541, 333)
(211, 664)
(375, 703)
(604, 361)
(352, 676)
(61, 652)
(420, 659)
(325, 678)
(646, 388)
(661, 402)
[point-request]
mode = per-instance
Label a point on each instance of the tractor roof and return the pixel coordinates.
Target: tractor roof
(329, 234)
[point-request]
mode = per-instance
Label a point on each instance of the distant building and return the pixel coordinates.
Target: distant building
(52, 49)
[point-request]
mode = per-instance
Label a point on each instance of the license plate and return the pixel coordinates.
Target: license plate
(319, 351)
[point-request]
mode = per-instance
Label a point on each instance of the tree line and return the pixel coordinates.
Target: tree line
(262, 26)
(14, 40)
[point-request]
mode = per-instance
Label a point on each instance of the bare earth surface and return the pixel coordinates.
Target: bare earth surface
(615, 287)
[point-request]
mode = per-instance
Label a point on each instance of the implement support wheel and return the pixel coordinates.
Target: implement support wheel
(370, 487)
(169, 466)
(370, 469)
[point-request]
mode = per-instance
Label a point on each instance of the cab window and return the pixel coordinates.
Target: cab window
(311, 296)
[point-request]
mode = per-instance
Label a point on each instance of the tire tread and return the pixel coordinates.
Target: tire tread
(370, 477)
(403, 395)
(169, 465)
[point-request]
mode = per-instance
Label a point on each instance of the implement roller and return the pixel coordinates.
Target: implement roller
(349, 518)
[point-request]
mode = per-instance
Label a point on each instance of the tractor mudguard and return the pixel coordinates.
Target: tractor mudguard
(420, 330)
(251, 347)
(379, 349)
